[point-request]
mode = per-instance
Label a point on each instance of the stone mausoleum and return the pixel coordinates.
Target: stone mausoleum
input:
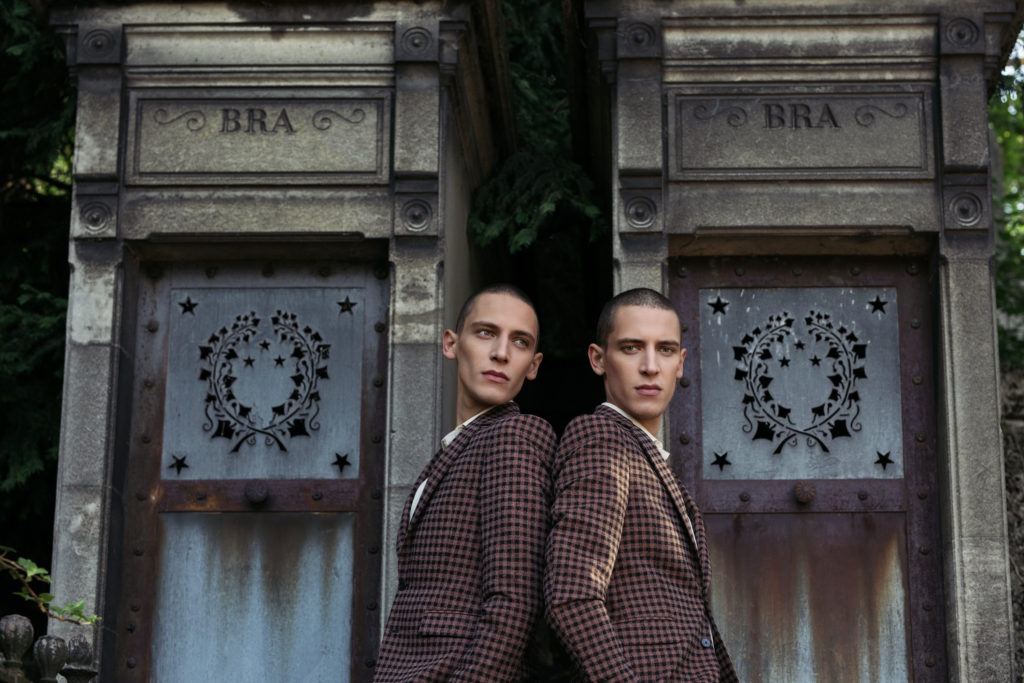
(268, 237)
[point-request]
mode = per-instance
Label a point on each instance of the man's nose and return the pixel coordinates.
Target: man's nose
(499, 351)
(649, 362)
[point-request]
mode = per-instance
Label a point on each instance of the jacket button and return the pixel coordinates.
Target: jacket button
(402, 584)
(706, 642)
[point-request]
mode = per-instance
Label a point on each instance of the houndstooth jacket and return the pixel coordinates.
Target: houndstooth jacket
(626, 584)
(470, 561)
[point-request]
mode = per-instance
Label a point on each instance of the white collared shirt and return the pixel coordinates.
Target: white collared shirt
(445, 442)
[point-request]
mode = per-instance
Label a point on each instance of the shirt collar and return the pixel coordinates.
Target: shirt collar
(450, 436)
(657, 442)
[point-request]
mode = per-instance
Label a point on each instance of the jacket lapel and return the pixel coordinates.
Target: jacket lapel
(439, 466)
(685, 507)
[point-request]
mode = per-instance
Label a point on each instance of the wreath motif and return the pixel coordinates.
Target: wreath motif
(227, 417)
(767, 416)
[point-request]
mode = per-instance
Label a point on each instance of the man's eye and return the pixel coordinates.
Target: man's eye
(485, 333)
(520, 342)
(630, 348)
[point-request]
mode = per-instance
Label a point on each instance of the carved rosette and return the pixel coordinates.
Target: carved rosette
(414, 215)
(96, 217)
(99, 46)
(638, 39)
(415, 44)
(965, 211)
(641, 213)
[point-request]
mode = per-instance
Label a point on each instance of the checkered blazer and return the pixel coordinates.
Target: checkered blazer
(626, 586)
(470, 561)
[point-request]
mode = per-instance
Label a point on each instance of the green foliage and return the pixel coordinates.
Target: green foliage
(26, 572)
(538, 187)
(38, 111)
(1006, 115)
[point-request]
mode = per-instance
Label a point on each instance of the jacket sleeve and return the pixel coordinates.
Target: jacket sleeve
(591, 494)
(515, 491)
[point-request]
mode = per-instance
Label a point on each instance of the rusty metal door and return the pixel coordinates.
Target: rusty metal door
(806, 428)
(252, 494)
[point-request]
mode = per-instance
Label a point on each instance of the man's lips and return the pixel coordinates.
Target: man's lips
(495, 376)
(648, 390)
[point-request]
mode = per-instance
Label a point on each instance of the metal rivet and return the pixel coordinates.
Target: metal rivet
(922, 494)
(376, 438)
(325, 271)
(855, 271)
(211, 272)
(913, 269)
(149, 384)
(380, 272)
(684, 439)
(374, 550)
(370, 663)
(146, 438)
(745, 497)
(798, 272)
(924, 550)
(681, 271)
(919, 437)
(130, 627)
(740, 272)
(135, 607)
(684, 382)
(379, 327)
(930, 661)
(928, 606)
(140, 496)
(372, 606)
(318, 495)
(378, 381)
(200, 495)
(130, 663)
(375, 495)
(915, 323)
(917, 379)
(684, 327)
(268, 270)
(139, 552)
(152, 326)
(863, 495)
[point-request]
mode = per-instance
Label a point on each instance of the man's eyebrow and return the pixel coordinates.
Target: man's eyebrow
(663, 342)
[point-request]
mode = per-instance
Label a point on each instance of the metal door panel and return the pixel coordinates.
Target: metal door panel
(263, 382)
(826, 564)
(821, 593)
(253, 597)
(800, 383)
(252, 480)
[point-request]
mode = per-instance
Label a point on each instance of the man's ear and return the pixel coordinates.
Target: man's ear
(531, 372)
(448, 344)
(682, 359)
(596, 355)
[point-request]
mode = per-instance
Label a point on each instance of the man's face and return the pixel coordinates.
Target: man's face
(641, 362)
(496, 351)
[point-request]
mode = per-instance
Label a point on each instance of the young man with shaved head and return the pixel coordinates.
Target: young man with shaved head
(627, 579)
(471, 541)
